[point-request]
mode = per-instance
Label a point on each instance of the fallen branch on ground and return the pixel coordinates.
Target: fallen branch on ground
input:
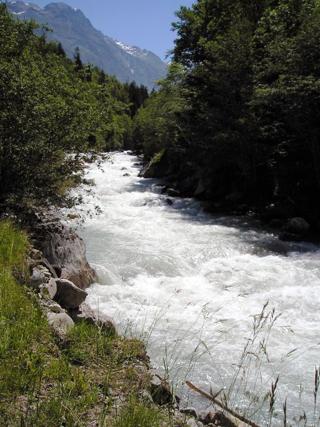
(221, 405)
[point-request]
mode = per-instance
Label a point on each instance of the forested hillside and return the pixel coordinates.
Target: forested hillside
(51, 110)
(238, 117)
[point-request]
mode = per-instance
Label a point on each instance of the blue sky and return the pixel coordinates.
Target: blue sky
(144, 23)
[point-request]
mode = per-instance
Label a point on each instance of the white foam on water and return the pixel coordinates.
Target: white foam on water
(179, 277)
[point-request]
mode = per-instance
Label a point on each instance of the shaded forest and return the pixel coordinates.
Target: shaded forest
(236, 122)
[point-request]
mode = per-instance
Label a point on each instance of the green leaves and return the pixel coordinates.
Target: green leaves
(50, 110)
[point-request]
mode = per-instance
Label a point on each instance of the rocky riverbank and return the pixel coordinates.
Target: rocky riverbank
(57, 275)
(291, 222)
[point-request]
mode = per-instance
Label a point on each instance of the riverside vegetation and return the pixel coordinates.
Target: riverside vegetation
(91, 377)
(236, 122)
(52, 109)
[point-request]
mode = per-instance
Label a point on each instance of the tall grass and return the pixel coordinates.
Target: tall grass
(13, 246)
(135, 414)
(254, 387)
(43, 383)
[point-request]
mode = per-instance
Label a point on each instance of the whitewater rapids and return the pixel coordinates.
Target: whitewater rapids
(189, 284)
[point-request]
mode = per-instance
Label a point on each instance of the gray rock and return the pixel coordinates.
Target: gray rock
(158, 167)
(64, 249)
(160, 391)
(37, 278)
(45, 263)
(60, 322)
(208, 418)
(146, 396)
(55, 307)
(297, 225)
(49, 290)
(35, 255)
(189, 411)
(45, 271)
(68, 295)
(216, 418)
(191, 422)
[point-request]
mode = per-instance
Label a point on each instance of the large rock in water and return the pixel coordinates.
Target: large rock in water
(158, 167)
(297, 225)
(68, 295)
(65, 251)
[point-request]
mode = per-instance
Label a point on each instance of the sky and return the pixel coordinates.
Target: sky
(143, 23)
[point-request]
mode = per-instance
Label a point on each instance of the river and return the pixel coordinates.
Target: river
(192, 285)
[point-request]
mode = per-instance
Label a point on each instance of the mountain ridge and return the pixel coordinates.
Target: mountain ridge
(74, 30)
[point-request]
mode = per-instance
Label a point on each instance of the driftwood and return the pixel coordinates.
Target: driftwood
(214, 399)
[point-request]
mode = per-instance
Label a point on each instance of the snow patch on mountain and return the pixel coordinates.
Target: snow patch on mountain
(72, 28)
(131, 50)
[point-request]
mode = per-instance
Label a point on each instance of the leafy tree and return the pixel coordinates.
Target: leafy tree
(51, 110)
(77, 60)
(248, 114)
(155, 125)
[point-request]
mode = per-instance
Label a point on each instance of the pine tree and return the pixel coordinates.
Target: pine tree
(77, 60)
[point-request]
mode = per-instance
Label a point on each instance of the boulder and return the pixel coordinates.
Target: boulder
(51, 306)
(49, 290)
(65, 250)
(146, 396)
(191, 422)
(60, 322)
(217, 418)
(45, 263)
(297, 225)
(68, 295)
(189, 411)
(160, 391)
(158, 167)
(35, 254)
(85, 313)
(37, 278)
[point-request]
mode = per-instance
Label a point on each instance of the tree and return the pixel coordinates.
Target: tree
(49, 114)
(77, 60)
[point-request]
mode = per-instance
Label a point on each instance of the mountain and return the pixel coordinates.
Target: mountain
(73, 29)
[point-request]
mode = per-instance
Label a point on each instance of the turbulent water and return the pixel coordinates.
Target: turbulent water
(192, 284)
